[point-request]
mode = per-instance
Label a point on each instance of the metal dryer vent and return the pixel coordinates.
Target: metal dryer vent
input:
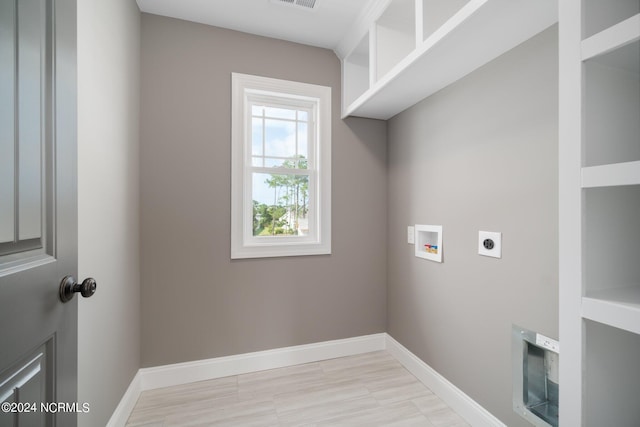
(536, 388)
(307, 4)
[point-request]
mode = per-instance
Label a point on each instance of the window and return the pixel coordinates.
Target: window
(281, 168)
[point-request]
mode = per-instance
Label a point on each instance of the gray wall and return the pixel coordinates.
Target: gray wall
(108, 203)
(197, 303)
(479, 155)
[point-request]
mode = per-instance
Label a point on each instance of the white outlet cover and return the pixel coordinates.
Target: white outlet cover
(496, 251)
(411, 234)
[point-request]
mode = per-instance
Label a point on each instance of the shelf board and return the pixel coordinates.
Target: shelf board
(616, 174)
(480, 32)
(612, 38)
(619, 308)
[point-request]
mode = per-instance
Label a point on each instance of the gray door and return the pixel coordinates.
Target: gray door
(38, 210)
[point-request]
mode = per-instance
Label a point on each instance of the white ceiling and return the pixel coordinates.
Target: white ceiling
(324, 26)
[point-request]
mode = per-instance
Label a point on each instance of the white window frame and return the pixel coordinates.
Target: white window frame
(315, 98)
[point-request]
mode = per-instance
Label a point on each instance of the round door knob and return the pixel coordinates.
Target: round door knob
(69, 287)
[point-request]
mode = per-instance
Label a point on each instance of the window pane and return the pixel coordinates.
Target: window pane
(280, 138)
(303, 138)
(256, 137)
(298, 163)
(257, 110)
(279, 162)
(280, 113)
(303, 116)
(295, 163)
(280, 205)
(270, 162)
(257, 161)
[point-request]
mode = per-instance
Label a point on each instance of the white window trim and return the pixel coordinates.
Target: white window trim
(243, 243)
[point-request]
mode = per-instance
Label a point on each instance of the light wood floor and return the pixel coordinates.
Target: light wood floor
(369, 390)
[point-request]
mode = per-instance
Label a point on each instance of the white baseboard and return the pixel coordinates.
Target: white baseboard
(184, 373)
(465, 406)
(123, 410)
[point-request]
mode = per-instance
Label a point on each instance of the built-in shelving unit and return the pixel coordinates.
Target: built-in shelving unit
(413, 48)
(600, 211)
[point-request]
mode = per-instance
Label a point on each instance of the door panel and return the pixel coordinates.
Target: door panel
(38, 207)
(31, 74)
(26, 91)
(7, 120)
(25, 385)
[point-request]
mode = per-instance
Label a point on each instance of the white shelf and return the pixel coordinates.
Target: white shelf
(616, 174)
(612, 38)
(479, 32)
(619, 308)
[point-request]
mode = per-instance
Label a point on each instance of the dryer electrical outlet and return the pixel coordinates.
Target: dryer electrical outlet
(490, 244)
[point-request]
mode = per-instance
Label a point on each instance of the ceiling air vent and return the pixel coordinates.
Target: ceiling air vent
(307, 4)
